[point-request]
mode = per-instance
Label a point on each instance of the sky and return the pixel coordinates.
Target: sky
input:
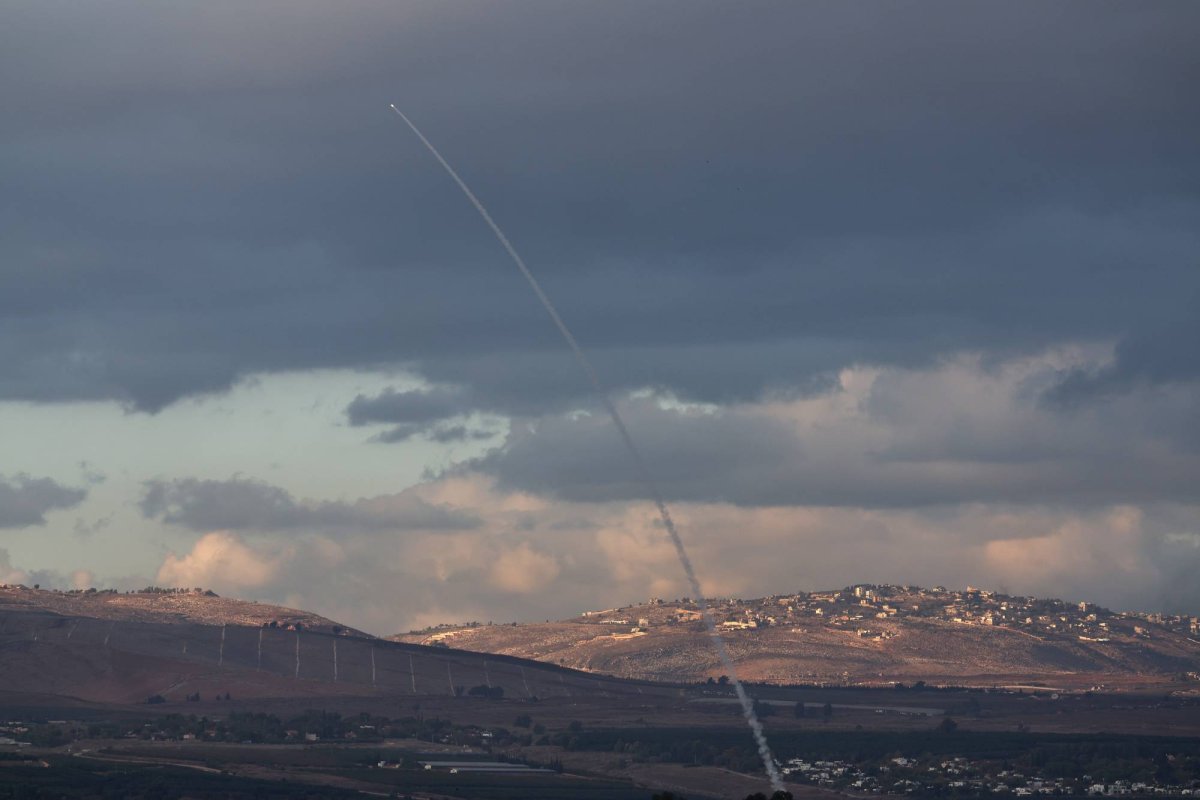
(898, 293)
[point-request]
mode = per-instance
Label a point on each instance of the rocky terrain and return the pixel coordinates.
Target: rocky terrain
(864, 635)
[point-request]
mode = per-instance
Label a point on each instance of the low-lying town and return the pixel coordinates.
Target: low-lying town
(962, 776)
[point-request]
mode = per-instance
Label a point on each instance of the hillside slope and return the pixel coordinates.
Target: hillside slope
(127, 648)
(871, 635)
(165, 606)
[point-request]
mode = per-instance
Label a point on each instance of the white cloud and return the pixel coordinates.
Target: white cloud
(8, 573)
(82, 579)
(536, 558)
(223, 561)
(1109, 547)
(952, 474)
(523, 569)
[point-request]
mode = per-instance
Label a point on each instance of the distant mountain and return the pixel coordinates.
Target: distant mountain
(127, 648)
(863, 635)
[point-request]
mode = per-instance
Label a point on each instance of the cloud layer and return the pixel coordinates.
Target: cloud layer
(722, 203)
(962, 431)
(535, 559)
(245, 504)
(957, 473)
(25, 500)
(903, 296)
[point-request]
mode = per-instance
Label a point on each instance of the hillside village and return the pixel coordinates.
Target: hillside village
(856, 607)
(865, 633)
(861, 634)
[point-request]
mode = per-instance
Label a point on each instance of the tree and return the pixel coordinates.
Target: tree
(827, 711)
(522, 721)
(947, 725)
(723, 680)
(799, 709)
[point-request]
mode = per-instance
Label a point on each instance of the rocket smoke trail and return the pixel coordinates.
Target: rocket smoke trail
(643, 474)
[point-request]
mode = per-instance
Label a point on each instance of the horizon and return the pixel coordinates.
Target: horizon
(716, 600)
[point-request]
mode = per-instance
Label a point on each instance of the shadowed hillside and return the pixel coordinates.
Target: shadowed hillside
(127, 648)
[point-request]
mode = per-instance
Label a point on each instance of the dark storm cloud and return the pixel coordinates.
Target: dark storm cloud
(1161, 354)
(418, 412)
(245, 504)
(399, 433)
(723, 200)
(446, 434)
(25, 501)
(442, 434)
(415, 406)
(929, 449)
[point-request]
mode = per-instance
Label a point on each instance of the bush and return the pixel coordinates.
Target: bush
(762, 709)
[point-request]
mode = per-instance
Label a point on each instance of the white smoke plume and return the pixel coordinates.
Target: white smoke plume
(643, 474)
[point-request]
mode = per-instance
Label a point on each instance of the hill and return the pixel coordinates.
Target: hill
(159, 680)
(862, 635)
(110, 647)
(125, 648)
(165, 606)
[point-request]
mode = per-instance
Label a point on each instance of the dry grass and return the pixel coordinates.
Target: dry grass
(815, 650)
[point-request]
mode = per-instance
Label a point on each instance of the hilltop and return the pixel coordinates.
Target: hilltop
(108, 647)
(155, 604)
(864, 634)
(164, 680)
